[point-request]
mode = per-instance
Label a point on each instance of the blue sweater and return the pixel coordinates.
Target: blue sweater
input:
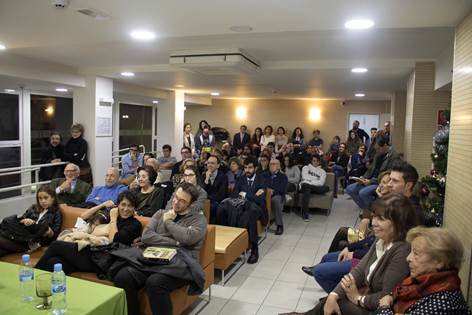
(101, 194)
(278, 183)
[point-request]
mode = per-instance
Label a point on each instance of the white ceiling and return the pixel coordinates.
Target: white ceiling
(304, 48)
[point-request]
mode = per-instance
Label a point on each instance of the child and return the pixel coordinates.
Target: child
(38, 226)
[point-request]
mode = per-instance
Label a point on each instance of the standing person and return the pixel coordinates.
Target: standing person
(205, 141)
(122, 228)
(201, 125)
(386, 131)
(215, 184)
(373, 133)
(277, 182)
(189, 140)
(353, 143)
(313, 181)
(280, 139)
(241, 139)
(41, 224)
(130, 163)
(267, 137)
(70, 190)
(256, 141)
(166, 160)
(363, 136)
(179, 228)
(54, 153)
(76, 152)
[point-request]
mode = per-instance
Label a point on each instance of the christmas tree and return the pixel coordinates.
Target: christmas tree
(433, 186)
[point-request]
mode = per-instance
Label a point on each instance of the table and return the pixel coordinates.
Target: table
(83, 297)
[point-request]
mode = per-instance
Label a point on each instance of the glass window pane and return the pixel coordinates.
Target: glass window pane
(48, 113)
(10, 117)
(135, 125)
(10, 157)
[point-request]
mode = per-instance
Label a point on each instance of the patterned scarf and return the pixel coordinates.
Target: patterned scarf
(412, 289)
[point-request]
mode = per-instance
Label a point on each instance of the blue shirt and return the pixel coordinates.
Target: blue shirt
(101, 194)
(127, 165)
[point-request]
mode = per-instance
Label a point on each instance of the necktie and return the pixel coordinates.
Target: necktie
(250, 182)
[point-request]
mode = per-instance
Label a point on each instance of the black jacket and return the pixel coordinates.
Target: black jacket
(48, 154)
(76, 151)
(239, 143)
(217, 190)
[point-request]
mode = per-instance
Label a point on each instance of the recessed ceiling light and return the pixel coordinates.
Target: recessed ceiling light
(127, 74)
(155, 102)
(360, 24)
(61, 90)
(241, 28)
(179, 86)
(359, 70)
(143, 35)
(359, 95)
(9, 90)
(3, 47)
(215, 93)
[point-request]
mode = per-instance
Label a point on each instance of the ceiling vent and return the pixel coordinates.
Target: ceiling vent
(93, 13)
(232, 61)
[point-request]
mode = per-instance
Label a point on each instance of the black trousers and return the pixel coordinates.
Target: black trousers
(8, 246)
(339, 241)
(158, 288)
(306, 190)
(69, 256)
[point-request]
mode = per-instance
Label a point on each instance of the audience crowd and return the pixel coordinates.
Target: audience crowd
(389, 264)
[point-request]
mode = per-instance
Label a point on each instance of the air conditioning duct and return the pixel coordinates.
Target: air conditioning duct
(215, 62)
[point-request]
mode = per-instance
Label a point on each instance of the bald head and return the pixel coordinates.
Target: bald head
(112, 176)
(153, 163)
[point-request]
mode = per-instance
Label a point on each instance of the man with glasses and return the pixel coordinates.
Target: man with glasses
(70, 190)
(185, 153)
(130, 163)
(277, 183)
(179, 227)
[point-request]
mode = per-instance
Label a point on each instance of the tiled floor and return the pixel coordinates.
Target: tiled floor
(276, 283)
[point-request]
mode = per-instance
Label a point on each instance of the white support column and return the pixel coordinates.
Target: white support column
(97, 120)
(170, 122)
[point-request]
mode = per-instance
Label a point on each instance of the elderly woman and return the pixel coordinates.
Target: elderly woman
(384, 265)
(433, 286)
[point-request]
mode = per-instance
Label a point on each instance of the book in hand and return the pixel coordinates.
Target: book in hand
(357, 179)
(159, 254)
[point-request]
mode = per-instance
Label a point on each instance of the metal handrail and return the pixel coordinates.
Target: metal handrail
(30, 167)
(127, 149)
(24, 186)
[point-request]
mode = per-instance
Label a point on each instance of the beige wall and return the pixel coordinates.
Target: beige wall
(422, 107)
(458, 211)
(398, 111)
(286, 113)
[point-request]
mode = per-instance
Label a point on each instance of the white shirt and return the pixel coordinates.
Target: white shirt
(380, 250)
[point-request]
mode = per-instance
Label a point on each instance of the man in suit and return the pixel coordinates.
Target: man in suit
(241, 139)
(71, 190)
(277, 182)
(252, 187)
(215, 184)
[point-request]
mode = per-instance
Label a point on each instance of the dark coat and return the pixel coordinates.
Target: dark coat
(48, 154)
(217, 190)
(239, 143)
(242, 185)
(76, 151)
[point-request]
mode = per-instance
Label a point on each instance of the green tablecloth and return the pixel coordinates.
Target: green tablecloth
(83, 297)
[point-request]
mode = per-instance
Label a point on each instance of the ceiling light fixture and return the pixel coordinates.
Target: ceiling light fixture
(143, 35)
(359, 95)
(359, 70)
(3, 47)
(360, 24)
(155, 102)
(9, 90)
(241, 28)
(61, 90)
(215, 94)
(127, 74)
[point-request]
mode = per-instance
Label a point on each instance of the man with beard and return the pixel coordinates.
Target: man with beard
(106, 196)
(360, 132)
(54, 153)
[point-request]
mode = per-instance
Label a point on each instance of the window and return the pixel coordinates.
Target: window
(9, 117)
(135, 125)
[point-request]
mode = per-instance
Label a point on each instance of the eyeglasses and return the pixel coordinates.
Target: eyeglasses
(189, 175)
(182, 202)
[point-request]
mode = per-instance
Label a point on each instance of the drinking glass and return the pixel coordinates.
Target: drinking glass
(43, 290)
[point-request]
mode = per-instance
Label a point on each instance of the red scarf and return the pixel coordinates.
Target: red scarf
(412, 289)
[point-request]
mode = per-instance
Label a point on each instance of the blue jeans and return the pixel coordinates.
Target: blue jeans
(362, 195)
(338, 171)
(330, 271)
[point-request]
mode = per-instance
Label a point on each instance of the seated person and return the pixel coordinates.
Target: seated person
(146, 156)
(186, 153)
(363, 191)
(122, 228)
(130, 163)
(382, 268)
(215, 184)
(180, 228)
(250, 187)
(154, 163)
(54, 153)
(234, 172)
(39, 225)
(106, 196)
(150, 197)
(433, 286)
(167, 161)
(357, 163)
(313, 181)
(263, 168)
(179, 176)
(338, 165)
(71, 190)
(277, 182)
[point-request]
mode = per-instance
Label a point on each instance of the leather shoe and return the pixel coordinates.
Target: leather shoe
(280, 230)
(253, 258)
(308, 270)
